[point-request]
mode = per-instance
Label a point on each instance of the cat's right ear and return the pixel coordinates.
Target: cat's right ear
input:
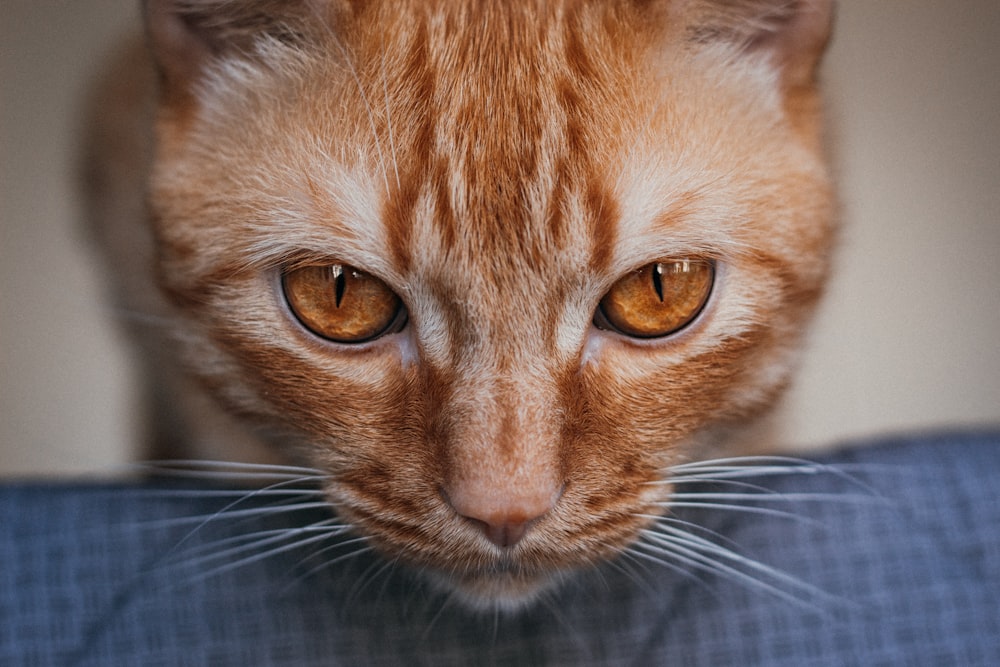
(793, 33)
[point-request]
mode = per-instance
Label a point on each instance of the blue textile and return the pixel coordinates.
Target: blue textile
(907, 574)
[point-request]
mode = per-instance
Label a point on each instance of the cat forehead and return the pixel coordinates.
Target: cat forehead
(525, 151)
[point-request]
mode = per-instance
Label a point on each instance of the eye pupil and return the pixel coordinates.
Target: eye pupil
(658, 299)
(657, 281)
(340, 283)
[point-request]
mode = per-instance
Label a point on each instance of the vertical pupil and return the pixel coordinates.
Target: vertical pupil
(340, 283)
(657, 281)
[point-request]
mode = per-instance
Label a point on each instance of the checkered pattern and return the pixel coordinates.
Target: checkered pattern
(98, 575)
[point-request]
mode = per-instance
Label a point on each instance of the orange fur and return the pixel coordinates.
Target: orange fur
(499, 166)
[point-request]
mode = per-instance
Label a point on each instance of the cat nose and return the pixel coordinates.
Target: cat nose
(503, 522)
(502, 533)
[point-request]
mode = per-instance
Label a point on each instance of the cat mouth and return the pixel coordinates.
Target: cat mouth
(514, 578)
(505, 587)
(461, 560)
(490, 578)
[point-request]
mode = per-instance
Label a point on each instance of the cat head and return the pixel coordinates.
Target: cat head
(492, 266)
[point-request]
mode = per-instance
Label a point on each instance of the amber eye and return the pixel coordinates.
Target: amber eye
(342, 304)
(658, 299)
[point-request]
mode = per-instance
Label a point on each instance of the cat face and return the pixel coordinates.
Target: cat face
(491, 266)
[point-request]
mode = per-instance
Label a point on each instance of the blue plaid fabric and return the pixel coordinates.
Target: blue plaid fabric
(906, 574)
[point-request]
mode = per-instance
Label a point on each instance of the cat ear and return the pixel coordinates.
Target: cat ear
(185, 35)
(793, 32)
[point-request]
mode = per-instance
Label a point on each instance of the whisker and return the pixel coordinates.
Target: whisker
(774, 465)
(690, 527)
(703, 548)
(729, 470)
(209, 467)
(371, 573)
(710, 482)
(204, 519)
(766, 511)
(252, 540)
(388, 119)
(685, 561)
(636, 562)
(449, 601)
(740, 484)
(353, 553)
(328, 563)
(776, 496)
(571, 631)
(228, 493)
(730, 461)
(739, 472)
(232, 565)
(228, 510)
(335, 38)
(708, 557)
(634, 552)
(698, 479)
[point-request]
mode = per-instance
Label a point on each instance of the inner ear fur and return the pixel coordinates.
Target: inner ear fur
(793, 32)
(184, 35)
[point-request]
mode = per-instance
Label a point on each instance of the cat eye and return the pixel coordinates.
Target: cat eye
(657, 300)
(342, 304)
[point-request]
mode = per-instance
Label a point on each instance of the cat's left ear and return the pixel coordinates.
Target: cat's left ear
(185, 36)
(793, 32)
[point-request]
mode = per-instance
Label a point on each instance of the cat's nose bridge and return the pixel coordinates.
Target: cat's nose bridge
(503, 459)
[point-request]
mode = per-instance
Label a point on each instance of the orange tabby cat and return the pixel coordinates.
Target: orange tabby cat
(492, 267)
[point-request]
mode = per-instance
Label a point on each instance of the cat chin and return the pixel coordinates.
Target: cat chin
(491, 592)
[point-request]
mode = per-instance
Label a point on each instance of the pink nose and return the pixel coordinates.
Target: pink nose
(503, 521)
(503, 533)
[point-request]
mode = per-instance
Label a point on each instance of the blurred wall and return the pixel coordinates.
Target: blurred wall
(907, 339)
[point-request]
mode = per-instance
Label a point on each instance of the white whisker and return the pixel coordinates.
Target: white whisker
(447, 601)
(327, 563)
(230, 493)
(691, 527)
(705, 548)
(210, 467)
(235, 564)
(773, 465)
(634, 562)
(774, 496)
(734, 470)
(766, 511)
(697, 479)
(245, 541)
(371, 573)
(741, 485)
(388, 120)
(349, 63)
(635, 552)
(781, 462)
(709, 557)
(228, 514)
(695, 561)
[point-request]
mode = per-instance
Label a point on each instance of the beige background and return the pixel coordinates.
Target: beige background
(908, 338)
